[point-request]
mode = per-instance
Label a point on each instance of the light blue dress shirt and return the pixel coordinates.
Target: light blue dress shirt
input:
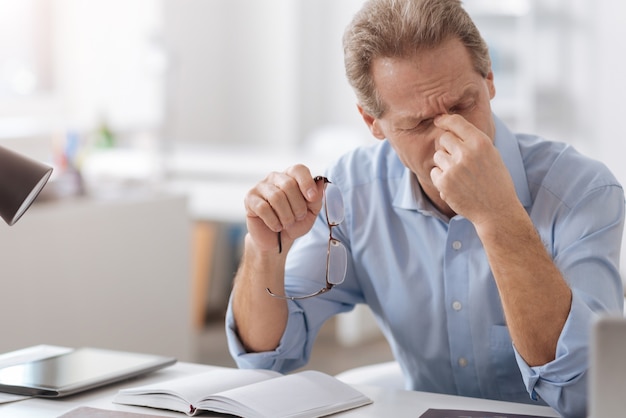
(430, 287)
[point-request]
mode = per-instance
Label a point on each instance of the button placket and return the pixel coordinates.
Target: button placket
(457, 292)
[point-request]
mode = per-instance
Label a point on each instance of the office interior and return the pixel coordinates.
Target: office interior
(159, 115)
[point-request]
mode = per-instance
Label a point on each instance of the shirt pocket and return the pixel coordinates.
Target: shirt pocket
(507, 374)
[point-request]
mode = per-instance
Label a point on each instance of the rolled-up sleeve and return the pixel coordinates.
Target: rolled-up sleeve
(586, 247)
(562, 383)
(305, 319)
(288, 355)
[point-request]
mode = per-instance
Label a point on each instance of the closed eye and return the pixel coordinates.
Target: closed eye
(462, 107)
(422, 125)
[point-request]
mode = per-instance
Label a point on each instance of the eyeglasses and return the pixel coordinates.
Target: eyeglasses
(336, 256)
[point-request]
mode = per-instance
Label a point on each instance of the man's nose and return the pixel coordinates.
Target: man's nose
(436, 137)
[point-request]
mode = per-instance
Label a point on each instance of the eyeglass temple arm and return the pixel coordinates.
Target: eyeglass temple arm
(319, 292)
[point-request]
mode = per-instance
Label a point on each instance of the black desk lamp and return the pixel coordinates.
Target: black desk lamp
(21, 180)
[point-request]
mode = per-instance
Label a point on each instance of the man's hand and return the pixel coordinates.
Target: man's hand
(473, 180)
(469, 172)
(286, 202)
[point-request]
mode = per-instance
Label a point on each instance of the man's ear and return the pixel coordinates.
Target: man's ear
(372, 123)
(491, 85)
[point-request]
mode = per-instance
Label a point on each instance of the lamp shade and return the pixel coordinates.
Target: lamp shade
(21, 180)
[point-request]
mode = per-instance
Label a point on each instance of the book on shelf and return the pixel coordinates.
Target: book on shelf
(248, 393)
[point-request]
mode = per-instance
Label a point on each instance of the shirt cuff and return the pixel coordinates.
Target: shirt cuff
(284, 358)
(572, 357)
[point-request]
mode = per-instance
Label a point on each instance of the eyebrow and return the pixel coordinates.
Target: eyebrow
(414, 120)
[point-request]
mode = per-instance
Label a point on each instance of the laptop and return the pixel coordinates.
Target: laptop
(76, 371)
(607, 383)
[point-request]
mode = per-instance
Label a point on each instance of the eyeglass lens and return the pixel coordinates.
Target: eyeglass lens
(337, 262)
(333, 204)
(337, 257)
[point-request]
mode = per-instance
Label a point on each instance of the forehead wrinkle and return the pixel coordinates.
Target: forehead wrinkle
(432, 82)
(442, 103)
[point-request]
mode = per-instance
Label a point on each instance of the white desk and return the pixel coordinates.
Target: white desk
(387, 402)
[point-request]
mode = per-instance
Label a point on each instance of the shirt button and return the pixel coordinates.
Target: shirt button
(457, 245)
(456, 305)
(463, 362)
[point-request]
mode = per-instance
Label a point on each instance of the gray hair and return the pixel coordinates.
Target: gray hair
(401, 29)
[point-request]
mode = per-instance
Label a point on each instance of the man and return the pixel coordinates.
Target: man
(484, 255)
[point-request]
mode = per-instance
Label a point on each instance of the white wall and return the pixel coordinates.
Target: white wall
(231, 73)
(106, 62)
(326, 98)
(270, 73)
(608, 107)
(256, 73)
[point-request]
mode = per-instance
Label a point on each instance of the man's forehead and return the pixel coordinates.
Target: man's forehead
(424, 109)
(442, 75)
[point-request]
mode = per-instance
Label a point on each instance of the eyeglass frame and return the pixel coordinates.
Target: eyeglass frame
(331, 240)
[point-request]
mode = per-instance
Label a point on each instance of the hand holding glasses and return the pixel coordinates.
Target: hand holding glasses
(336, 256)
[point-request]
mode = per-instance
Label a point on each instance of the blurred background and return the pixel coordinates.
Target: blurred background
(158, 115)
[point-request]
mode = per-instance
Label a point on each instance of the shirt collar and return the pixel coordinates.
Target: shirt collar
(411, 197)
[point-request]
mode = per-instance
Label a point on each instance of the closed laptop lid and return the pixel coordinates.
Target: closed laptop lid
(607, 383)
(76, 371)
